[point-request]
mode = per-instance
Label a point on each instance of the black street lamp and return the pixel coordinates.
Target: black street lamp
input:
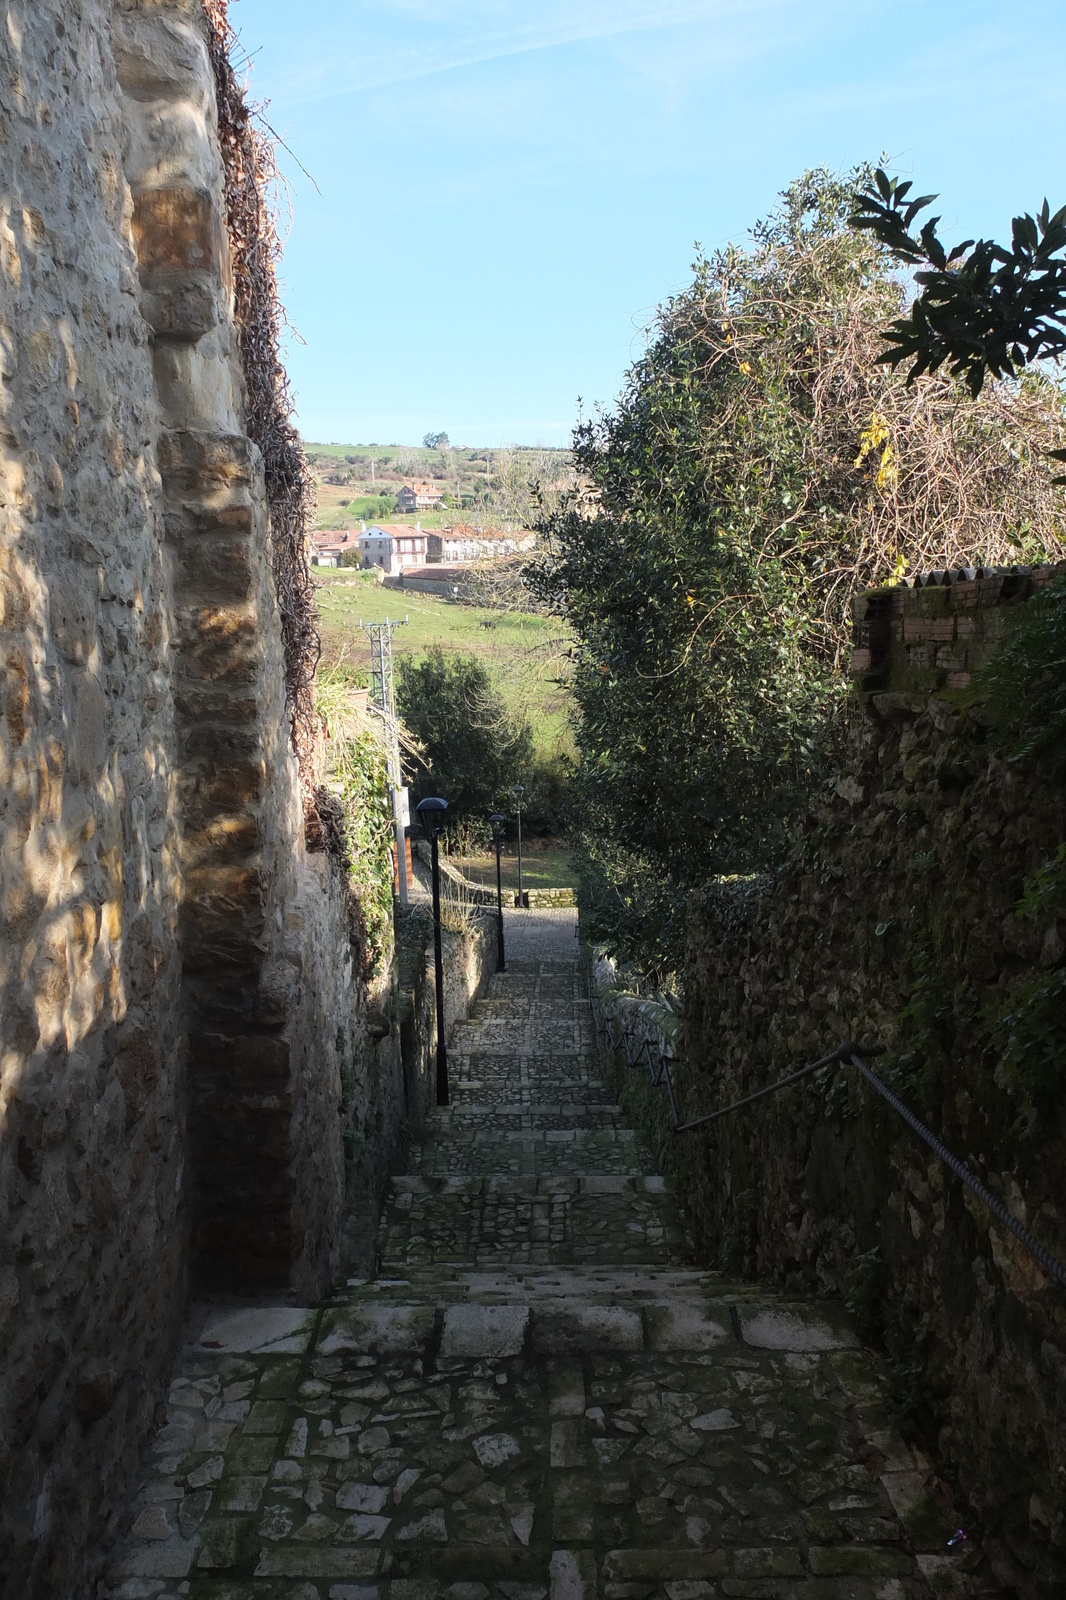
(498, 825)
(431, 814)
(518, 791)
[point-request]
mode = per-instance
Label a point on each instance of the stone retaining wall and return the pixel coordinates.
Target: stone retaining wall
(179, 993)
(893, 920)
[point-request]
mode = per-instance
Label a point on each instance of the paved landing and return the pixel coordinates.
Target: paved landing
(540, 1397)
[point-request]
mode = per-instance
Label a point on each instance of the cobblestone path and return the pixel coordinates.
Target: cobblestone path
(539, 1397)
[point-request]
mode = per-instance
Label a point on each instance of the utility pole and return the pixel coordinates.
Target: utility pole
(383, 700)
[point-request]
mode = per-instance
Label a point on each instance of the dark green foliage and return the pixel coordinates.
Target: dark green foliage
(695, 574)
(982, 309)
(546, 804)
(1026, 681)
(475, 749)
(367, 508)
(1030, 1031)
(865, 1282)
(928, 1022)
(628, 903)
(1032, 1035)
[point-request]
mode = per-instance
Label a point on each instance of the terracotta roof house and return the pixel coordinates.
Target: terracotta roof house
(329, 544)
(419, 495)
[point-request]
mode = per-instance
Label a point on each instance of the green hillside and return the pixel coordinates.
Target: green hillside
(525, 651)
(358, 482)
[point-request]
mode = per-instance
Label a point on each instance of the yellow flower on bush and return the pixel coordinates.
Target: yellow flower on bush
(888, 471)
(873, 437)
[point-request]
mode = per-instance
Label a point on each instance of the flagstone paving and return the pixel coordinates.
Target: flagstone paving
(540, 1397)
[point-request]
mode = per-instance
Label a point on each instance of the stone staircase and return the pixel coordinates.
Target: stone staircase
(539, 1395)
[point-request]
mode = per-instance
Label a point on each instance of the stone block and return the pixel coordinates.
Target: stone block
(177, 231)
(172, 1558)
(662, 1565)
(772, 1562)
(484, 1331)
(316, 1561)
(244, 1063)
(572, 1575)
(567, 1443)
(793, 1328)
(259, 1330)
(225, 566)
(686, 1325)
(858, 1561)
(196, 461)
(384, 1330)
(185, 310)
(566, 1389)
(575, 1329)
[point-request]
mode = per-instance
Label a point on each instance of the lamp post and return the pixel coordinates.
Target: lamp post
(431, 814)
(498, 824)
(518, 791)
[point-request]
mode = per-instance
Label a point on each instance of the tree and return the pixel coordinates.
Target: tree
(759, 467)
(982, 309)
(436, 441)
(476, 750)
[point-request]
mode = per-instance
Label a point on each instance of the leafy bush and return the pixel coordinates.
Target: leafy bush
(1031, 1034)
(1025, 685)
(356, 769)
(475, 750)
(759, 467)
(1030, 1031)
(1025, 681)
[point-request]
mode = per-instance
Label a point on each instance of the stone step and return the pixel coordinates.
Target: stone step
(679, 1446)
(468, 1115)
(482, 1152)
(523, 1036)
(527, 1092)
(538, 1398)
(550, 1220)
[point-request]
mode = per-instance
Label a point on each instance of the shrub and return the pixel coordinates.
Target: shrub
(475, 750)
(759, 468)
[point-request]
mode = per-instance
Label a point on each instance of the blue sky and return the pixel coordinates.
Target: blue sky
(505, 191)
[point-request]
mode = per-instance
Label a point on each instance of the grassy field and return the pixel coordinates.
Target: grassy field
(545, 865)
(339, 506)
(526, 653)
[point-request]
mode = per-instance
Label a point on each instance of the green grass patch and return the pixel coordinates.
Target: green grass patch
(545, 865)
(525, 652)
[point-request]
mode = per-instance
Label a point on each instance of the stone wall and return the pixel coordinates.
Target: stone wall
(180, 997)
(893, 921)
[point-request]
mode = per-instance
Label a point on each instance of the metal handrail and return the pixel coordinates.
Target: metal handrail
(849, 1054)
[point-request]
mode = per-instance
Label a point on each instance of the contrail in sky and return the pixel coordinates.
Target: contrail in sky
(554, 24)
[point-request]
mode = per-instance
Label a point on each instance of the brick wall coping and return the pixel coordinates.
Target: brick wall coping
(930, 633)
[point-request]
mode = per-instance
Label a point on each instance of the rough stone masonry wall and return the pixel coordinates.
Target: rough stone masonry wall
(893, 920)
(176, 974)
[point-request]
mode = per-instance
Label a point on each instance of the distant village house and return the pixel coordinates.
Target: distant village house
(394, 548)
(464, 542)
(419, 495)
(328, 545)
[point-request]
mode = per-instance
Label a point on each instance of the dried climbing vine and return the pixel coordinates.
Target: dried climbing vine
(252, 180)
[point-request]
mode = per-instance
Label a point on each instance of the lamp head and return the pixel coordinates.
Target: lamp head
(518, 791)
(432, 814)
(498, 825)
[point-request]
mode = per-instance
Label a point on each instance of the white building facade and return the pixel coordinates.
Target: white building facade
(394, 549)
